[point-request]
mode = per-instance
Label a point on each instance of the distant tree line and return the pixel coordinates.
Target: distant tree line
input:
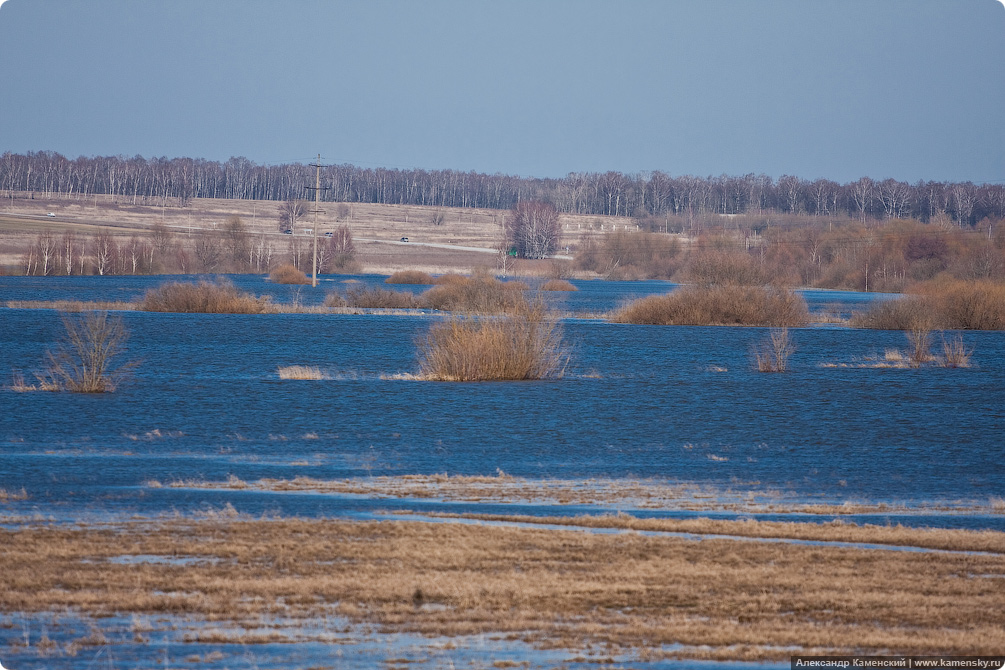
(646, 196)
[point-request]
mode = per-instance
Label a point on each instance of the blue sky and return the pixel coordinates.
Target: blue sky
(909, 89)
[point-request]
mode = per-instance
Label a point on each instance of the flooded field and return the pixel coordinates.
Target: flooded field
(655, 422)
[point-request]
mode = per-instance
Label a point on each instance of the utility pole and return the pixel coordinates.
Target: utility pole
(317, 210)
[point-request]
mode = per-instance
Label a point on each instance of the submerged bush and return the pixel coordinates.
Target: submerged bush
(526, 344)
(558, 285)
(479, 294)
(220, 297)
(718, 306)
(409, 277)
(372, 298)
(288, 274)
(773, 355)
(85, 359)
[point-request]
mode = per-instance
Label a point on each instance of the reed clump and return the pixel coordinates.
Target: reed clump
(479, 294)
(409, 277)
(288, 274)
(373, 298)
(558, 285)
(718, 306)
(219, 297)
(301, 372)
(523, 345)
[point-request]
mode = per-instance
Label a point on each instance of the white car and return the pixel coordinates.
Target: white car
(51, 214)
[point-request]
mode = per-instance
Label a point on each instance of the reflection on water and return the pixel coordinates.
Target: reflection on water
(680, 404)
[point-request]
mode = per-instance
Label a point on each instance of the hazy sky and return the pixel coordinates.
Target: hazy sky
(910, 89)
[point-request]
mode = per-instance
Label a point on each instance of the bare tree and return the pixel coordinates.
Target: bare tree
(532, 229)
(208, 251)
(290, 212)
(105, 250)
(68, 248)
(237, 242)
(46, 244)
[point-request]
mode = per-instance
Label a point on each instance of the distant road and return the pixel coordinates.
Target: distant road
(437, 245)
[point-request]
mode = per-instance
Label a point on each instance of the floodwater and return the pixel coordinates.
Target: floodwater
(680, 405)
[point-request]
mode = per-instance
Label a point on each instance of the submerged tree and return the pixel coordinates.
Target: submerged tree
(85, 360)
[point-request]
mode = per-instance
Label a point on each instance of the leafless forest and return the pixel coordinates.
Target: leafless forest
(651, 197)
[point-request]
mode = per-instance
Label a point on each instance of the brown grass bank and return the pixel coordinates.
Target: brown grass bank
(716, 598)
(718, 306)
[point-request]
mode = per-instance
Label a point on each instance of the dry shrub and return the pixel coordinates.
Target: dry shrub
(219, 297)
(956, 354)
(306, 372)
(85, 359)
(288, 274)
(720, 267)
(523, 345)
(372, 298)
(625, 255)
(949, 305)
(409, 277)
(450, 278)
(478, 294)
(967, 305)
(898, 314)
(718, 306)
(773, 355)
(558, 285)
(920, 339)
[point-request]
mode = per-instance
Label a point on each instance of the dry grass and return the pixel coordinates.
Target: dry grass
(288, 274)
(303, 372)
(522, 345)
(718, 306)
(611, 493)
(72, 305)
(716, 598)
(409, 277)
(13, 496)
(219, 297)
(773, 355)
(558, 285)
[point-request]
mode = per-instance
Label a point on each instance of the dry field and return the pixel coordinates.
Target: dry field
(377, 229)
(570, 589)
